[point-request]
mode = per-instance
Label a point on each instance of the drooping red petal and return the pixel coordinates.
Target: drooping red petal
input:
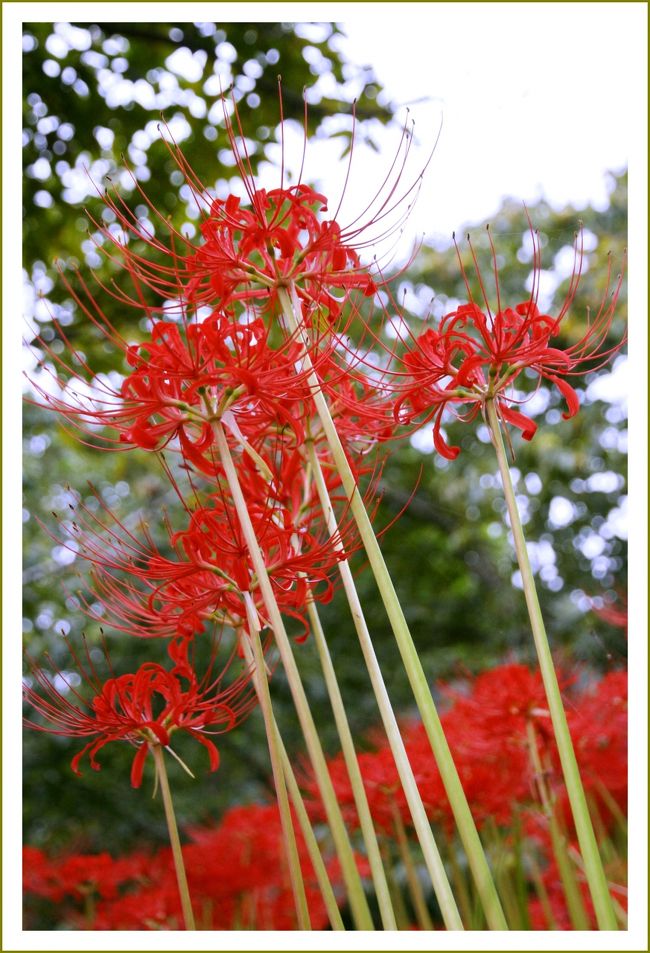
(213, 752)
(569, 394)
(137, 768)
(74, 764)
(443, 448)
(527, 426)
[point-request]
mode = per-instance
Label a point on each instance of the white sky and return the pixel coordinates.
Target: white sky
(535, 98)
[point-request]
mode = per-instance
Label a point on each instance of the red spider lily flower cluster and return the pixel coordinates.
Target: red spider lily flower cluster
(217, 354)
(77, 876)
(490, 725)
(144, 708)
(203, 574)
(217, 342)
(477, 354)
(280, 241)
(216, 357)
(237, 875)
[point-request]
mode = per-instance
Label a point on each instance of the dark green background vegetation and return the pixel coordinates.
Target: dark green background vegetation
(449, 553)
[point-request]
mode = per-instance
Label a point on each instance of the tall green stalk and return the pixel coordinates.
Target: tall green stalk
(413, 880)
(320, 870)
(415, 673)
(594, 871)
(255, 659)
(356, 895)
(354, 773)
(430, 852)
(174, 839)
(575, 906)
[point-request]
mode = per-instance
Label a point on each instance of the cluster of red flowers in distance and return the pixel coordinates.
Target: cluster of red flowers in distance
(236, 872)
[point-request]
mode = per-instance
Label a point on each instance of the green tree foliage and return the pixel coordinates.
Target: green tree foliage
(449, 552)
(94, 96)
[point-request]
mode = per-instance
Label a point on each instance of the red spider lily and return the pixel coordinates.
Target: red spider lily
(486, 728)
(496, 777)
(598, 723)
(248, 254)
(476, 355)
(149, 591)
(192, 370)
(237, 876)
(36, 875)
(138, 891)
(217, 570)
(489, 730)
(381, 782)
(182, 378)
(501, 702)
(491, 727)
(279, 239)
(362, 410)
(223, 370)
(77, 875)
(240, 864)
(153, 906)
(144, 708)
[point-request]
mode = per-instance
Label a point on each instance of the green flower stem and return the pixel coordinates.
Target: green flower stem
(501, 856)
(354, 773)
(613, 807)
(256, 664)
(413, 880)
(415, 673)
(579, 863)
(320, 870)
(404, 920)
(89, 908)
(542, 894)
(572, 895)
(255, 659)
(461, 891)
(607, 849)
(431, 854)
(206, 915)
(356, 895)
(594, 872)
(174, 839)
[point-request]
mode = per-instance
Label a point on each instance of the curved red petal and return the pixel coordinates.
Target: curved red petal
(527, 426)
(137, 768)
(569, 394)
